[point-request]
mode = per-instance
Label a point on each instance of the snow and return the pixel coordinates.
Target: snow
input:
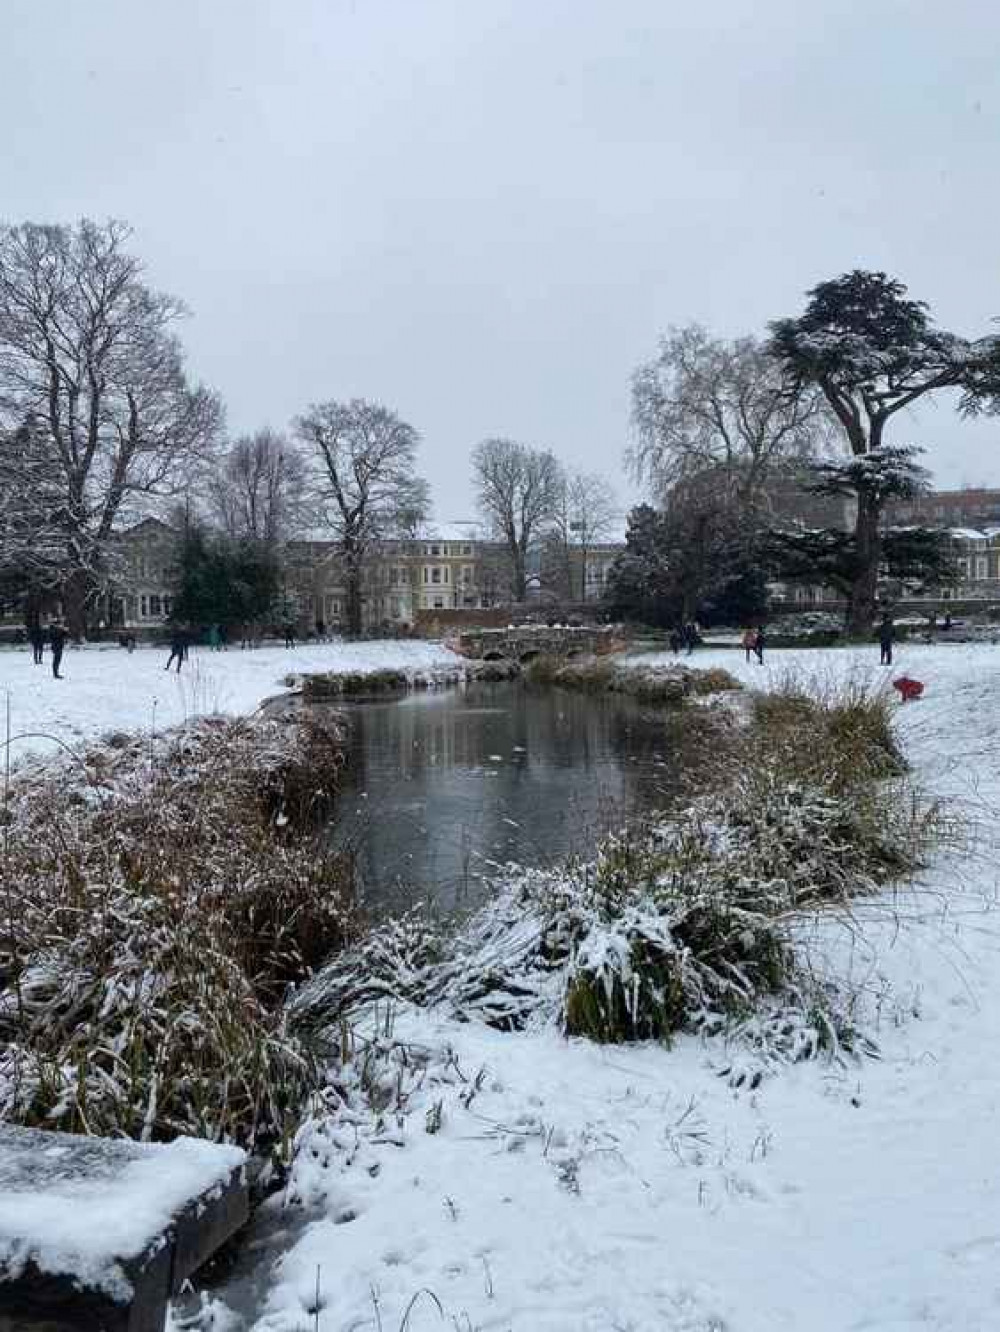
(535, 1184)
(109, 689)
(79, 1207)
(528, 1183)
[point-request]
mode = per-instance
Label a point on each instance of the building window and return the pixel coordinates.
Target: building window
(982, 567)
(155, 609)
(466, 550)
(144, 607)
(435, 575)
(439, 603)
(447, 574)
(467, 574)
(427, 576)
(435, 550)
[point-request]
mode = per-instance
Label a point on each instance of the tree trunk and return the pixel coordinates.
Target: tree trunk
(864, 590)
(519, 581)
(75, 596)
(352, 580)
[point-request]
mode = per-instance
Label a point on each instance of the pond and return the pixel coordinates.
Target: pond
(441, 788)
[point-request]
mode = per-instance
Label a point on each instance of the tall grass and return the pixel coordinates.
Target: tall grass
(165, 903)
(668, 686)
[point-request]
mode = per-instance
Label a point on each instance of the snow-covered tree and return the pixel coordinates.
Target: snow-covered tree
(88, 351)
(367, 488)
(33, 555)
(918, 556)
(684, 564)
(872, 351)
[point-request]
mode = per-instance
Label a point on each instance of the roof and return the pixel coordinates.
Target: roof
(970, 533)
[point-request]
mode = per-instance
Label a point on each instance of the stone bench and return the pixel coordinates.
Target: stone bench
(98, 1234)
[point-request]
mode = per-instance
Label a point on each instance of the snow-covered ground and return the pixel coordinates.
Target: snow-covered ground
(537, 1184)
(107, 689)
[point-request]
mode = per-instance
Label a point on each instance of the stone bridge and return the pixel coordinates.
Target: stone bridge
(525, 641)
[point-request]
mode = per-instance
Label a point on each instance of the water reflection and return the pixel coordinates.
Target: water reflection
(443, 787)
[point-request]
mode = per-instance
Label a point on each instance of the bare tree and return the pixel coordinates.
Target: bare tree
(258, 492)
(518, 490)
(86, 348)
(367, 486)
(585, 515)
(704, 405)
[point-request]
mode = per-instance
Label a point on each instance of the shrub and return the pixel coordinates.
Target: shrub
(163, 905)
(319, 688)
(662, 686)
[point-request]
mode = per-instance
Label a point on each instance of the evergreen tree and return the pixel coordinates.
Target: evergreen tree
(872, 351)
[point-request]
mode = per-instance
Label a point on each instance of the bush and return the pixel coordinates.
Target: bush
(320, 688)
(163, 906)
(664, 686)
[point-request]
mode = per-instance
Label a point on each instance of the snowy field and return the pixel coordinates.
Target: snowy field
(107, 689)
(543, 1185)
(535, 1184)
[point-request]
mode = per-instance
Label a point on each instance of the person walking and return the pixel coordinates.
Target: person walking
(289, 631)
(36, 637)
(57, 639)
(214, 638)
(886, 633)
(749, 641)
(178, 648)
(675, 640)
(759, 640)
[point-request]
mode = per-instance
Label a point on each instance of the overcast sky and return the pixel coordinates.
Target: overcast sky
(483, 213)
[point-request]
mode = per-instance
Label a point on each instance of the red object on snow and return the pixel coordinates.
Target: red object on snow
(908, 689)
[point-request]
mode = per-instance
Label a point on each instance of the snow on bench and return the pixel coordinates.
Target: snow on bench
(98, 1233)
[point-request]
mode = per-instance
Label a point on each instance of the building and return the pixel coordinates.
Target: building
(143, 576)
(446, 569)
(970, 508)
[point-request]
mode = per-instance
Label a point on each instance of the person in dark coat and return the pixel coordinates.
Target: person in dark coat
(178, 648)
(759, 641)
(289, 632)
(36, 637)
(886, 633)
(675, 641)
(57, 638)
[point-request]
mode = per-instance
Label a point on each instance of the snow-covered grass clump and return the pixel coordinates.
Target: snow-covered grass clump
(670, 684)
(156, 903)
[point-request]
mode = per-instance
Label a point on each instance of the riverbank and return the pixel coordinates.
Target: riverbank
(526, 1181)
(107, 690)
